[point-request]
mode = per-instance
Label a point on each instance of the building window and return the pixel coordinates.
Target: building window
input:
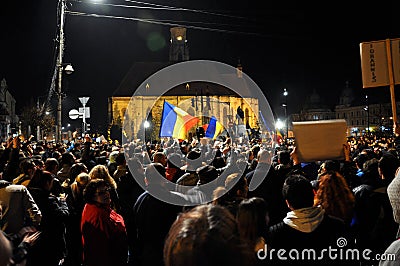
(224, 116)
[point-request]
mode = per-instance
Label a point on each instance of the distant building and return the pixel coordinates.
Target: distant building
(358, 113)
(314, 109)
(8, 118)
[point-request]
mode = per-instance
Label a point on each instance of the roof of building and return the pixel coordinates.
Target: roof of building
(140, 71)
(136, 75)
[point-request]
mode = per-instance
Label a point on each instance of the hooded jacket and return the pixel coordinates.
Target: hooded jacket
(305, 220)
(308, 228)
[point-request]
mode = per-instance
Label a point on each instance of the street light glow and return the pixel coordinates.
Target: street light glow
(279, 124)
(68, 69)
(146, 124)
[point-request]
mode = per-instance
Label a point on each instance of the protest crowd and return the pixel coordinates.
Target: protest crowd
(93, 204)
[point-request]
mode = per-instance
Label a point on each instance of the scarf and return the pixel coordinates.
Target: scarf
(305, 220)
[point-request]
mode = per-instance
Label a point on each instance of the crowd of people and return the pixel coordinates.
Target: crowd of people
(205, 202)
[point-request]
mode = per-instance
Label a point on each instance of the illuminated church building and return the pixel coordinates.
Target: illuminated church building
(200, 99)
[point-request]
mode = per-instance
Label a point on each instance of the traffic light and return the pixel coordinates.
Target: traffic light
(192, 102)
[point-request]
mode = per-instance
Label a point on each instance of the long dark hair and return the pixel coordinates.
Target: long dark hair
(40, 179)
(252, 219)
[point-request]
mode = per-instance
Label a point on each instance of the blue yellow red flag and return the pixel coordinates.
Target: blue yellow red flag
(175, 122)
(279, 136)
(214, 128)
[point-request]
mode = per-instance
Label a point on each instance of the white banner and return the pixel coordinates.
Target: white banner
(374, 64)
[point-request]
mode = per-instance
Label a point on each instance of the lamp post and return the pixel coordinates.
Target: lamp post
(366, 108)
(285, 94)
(60, 68)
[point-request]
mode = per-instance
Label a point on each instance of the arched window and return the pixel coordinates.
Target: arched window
(123, 110)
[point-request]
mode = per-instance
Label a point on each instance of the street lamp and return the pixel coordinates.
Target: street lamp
(285, 94)
(68, 70)
(146, 126)
(279, 124)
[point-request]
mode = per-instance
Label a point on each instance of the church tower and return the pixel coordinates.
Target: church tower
(346, 97)
(179, 49)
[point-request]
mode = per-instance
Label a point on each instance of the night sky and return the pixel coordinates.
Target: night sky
(281, 44)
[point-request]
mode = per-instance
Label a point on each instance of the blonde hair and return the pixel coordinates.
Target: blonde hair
(101, 172)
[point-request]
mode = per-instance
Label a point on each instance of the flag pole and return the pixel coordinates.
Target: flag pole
(162, 118)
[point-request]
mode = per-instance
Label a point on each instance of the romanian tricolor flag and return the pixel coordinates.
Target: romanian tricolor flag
(175, 122)
(279, 136)
(214, 128)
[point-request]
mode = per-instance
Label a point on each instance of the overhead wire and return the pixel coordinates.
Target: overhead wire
(194, 22)
(189, 10)
(74, 13)
(152, 6)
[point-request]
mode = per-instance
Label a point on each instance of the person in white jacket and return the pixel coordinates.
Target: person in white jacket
(19, 208)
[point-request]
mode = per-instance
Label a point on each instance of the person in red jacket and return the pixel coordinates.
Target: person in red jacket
(104, 234)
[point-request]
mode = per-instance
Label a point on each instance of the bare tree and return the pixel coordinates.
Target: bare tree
(33, 115)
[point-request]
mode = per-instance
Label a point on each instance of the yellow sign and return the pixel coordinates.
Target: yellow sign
(374, 63)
